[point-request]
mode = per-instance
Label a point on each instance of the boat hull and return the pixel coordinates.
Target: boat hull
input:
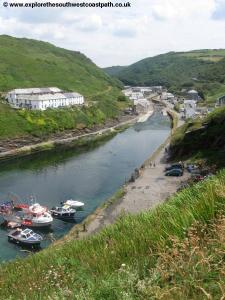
(23, 243)
(37, 225)
(62, 216)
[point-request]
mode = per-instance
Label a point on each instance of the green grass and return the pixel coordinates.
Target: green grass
(208, 55)
(122, 261)
(32, 63)
(201, 139)
(18, 123)
(29, 63)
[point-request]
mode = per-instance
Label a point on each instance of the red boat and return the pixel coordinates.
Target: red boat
(21, 206)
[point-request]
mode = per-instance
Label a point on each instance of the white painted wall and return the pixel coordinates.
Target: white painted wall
(42, 104)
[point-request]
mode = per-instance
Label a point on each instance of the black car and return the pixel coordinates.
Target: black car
(174, 166)
(174, 172)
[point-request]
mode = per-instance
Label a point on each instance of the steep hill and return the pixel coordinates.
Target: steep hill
(113, 71)
(201, 69)
(201, 139)
(31, 63)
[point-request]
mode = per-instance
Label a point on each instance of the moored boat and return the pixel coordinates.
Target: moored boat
(74, 203)
(37, 216)
(25, 237)
(20, 206)
(6, 207)
(37, 220)
(63, 212)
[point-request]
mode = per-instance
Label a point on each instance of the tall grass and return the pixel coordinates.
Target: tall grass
(110, 264)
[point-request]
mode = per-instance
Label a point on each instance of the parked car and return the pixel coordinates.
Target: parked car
(174, 172)
(196, 172)
(191, 168)
(175, 166)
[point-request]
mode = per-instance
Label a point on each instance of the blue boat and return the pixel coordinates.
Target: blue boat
(25, 237)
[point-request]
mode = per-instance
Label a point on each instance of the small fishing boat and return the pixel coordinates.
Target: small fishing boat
(20, 206)
(37, 216)
(37, 220)
(36, 208)
(24, 237)
(5, 207)
(74, 204)
(10, 224)
(63, 212)
(31, 216)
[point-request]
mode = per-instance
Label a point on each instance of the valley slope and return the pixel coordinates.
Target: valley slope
(200, 69)
(28, 63)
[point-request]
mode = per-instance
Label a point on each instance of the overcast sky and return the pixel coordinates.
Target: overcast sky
(121, 36)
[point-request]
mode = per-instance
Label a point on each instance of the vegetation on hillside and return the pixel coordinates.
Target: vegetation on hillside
(201, 138)
(201, 69)
(16, 123)
(29, 63)
(112, 71)
(172, 252)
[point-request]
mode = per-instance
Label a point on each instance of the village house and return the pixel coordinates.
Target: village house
(168, 96)
(189, 108)
(221, 101)
(43, 98)
(193, 95)
(141, 105)
(127, 92)
(136, 95)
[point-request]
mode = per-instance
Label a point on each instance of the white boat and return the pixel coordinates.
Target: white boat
(31, 216)
(37, 216)
(25, 237)
(63, 212)
(74, 204)
(36, 208)
(37, 220)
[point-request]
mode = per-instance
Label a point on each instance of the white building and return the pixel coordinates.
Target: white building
(141, 105)
(189, 108)
(136, 95)
(43, 98)
(167, 96)
(127, 92)
(193, 95)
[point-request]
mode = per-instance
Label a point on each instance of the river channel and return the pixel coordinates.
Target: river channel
(91, 176)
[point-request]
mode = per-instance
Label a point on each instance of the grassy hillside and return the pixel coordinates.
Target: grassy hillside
(18, 123)
(31, 63)
(112, 71)
(172, 252)
(202, 138)
(200, 69)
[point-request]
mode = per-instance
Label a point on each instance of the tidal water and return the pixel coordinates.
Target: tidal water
(91, 176)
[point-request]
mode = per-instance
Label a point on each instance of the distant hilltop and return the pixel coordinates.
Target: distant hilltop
(201, 70)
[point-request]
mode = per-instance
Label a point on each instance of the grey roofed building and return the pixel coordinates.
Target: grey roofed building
(43, 98)
(192, 92)
(47, 96)
(193, 95)
(30, 91)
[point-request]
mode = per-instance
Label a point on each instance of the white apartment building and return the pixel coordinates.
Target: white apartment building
(43, 98)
